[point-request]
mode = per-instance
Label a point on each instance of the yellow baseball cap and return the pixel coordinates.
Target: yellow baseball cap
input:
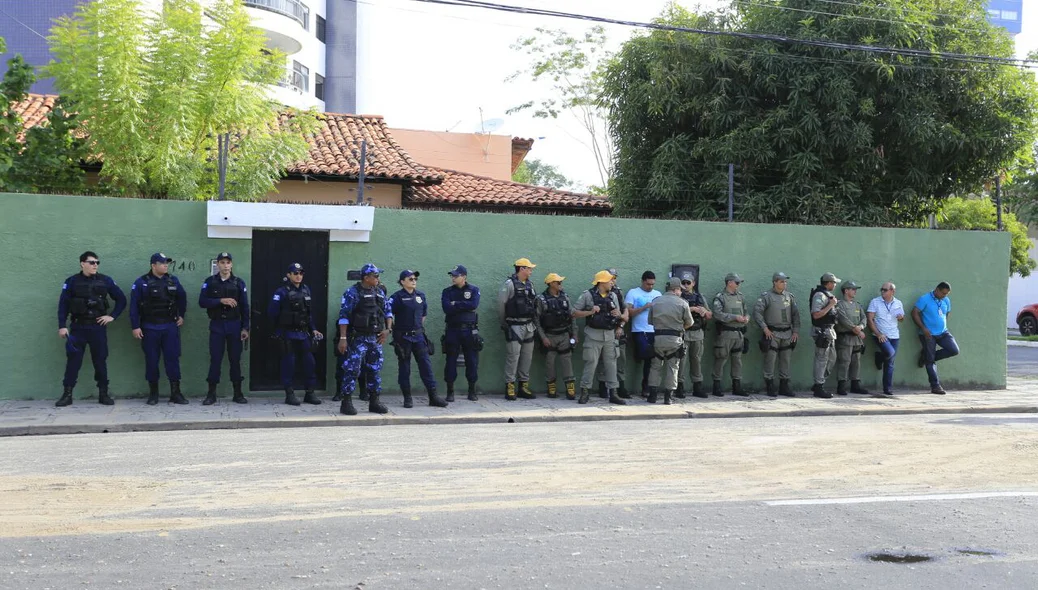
(552, 277)
(602, 276)
(524, 262)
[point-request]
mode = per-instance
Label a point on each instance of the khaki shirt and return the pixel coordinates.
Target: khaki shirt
(777, 310)
(670, 312)
(585, 303)
(849, 314)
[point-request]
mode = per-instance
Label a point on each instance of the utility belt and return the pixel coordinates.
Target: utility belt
(415, 332)
(668, 332)
(779, 328)
(696, 328)
(723, 328)
(84, 320)
(766, 344)
(557, 331)
(679, 352)
(518, 321)
(463, 326)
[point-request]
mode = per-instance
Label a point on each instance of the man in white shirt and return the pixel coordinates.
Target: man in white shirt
(639, 300)
(884, 313)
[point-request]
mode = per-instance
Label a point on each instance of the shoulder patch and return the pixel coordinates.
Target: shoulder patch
(277, 297)
(64, 285)
(205, 285)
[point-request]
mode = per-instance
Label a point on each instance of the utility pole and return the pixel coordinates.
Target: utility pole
(360, 177)
(998, 199)
(223, 147)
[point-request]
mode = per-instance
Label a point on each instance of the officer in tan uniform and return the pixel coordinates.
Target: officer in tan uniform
(850, 340)
(516, 308)
(601, 309)
(694, 338)
(557, 332)
(777, 315)
(669, 317)
(730, 317)
(823, 318)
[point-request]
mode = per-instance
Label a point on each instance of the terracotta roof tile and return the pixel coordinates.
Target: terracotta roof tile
(463, 190)
(520, 147)
(34, 109)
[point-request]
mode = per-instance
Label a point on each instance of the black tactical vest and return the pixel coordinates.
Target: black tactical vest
(88, 299)
(695, 300)
(829, 319)
(159, 300)
(295, 309)
(521, 304)
(556, 316)
(602, 320)
(369, 315)
(229, 289)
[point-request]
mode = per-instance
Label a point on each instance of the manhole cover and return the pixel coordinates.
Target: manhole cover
(899, 557)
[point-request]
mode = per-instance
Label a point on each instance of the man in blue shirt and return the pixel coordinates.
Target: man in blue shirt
(460, 302)
(409, 307)
(365, 321)
(291, 312)
(158, 304)
(931, 315)
(85, 297)
(226, 300)
(639, 300)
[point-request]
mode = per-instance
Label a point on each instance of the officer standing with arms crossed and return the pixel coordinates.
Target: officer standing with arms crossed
(291, 312)
(558, 333)
(158, 304)
(851, 321)
(225, 299)
(823, 318)
(85, 297)
(460, 302)
(670, 317)
(694, 338)
(729, 309)
(516, 308)
(601, 309)
(409, 307)
(365, 321)
(778, 316)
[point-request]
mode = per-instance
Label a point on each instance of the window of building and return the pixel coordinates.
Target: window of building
(320, 28)
(300, 76)
(994, 13)
(305, 10)
(1010, 15)
(319, 86)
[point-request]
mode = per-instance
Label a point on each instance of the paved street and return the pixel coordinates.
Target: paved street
(762, 502)
(1022, 361)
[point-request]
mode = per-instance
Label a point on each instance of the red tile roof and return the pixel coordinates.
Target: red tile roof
(520, 147)
(34, 109)
(468, 191)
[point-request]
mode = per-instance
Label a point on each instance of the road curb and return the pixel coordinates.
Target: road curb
(1022, 343)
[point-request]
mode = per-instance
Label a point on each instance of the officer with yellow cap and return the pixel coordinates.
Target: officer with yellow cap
(601, 309)
(516, 307)
(557, 332)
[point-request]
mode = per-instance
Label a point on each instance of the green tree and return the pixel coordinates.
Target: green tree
(979, 213)
(156, 89)
(538, 173)
(817, 134)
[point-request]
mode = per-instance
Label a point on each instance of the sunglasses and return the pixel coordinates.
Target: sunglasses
(411, 278)
(296, 272)
(93, 262)
(686, 282)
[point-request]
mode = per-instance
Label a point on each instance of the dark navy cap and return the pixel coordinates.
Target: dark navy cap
(295, 267)
(159, 257)
(409, 273)
(223, 255)
(369, 268)
(457, 271)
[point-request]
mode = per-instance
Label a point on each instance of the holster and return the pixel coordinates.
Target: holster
(823, 341)
(477, 342)
(429, 345)
(764, 343)
(403, 354)
(745, 345)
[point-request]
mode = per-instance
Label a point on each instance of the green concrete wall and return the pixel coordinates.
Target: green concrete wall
(41, 238)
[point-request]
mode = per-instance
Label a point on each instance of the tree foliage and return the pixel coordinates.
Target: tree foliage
(817, 135)
(156, 89)
(979, 213)
(538, 173)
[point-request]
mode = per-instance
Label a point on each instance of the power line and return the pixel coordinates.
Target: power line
(34, 31)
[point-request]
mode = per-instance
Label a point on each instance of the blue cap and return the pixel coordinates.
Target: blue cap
(369, 268)
(295, 267)
(159, 257)
(457, 271)
(223, 255)
(408, 273)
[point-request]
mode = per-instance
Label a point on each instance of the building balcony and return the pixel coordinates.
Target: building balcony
(273, 16)
(295, 81)
(293, 9)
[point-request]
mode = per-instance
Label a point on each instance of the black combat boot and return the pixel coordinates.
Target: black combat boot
(338, 390)
(435, 400)
(524, 390)
(408, 401)
(857, 388)
(311, 398)
(153, 393)
(585, 394)
(602, 391)
(697, 389)
(65, 399)
(819, 391)
(717, 389)
(680, 391)
(346, 407)
(653, 395)
(362, 389)
(769, 387)
(666, 397)
(239, 397)
(450, 391)
(102, 396)
(210, 396)
(784, 388)
(841, 388)
(473, 396)
(737, 388)
(614, 398)
(174, 393)
(375, 406)
(622, 391)
(290, 397)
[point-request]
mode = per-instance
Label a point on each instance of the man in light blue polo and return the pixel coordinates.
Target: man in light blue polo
(639, 301)
(931, 315)
(884, 313)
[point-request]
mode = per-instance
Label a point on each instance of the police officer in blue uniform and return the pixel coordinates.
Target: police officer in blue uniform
(410, 306)
(158, 304)
(460, 302)
(85, 297)
(365, 321)
(291, 312)
(225, 299)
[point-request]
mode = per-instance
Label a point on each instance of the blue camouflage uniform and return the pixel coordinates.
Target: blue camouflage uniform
(225, 323)
(291, 314)
(85, 299)
(366, 312)
(459, 307)
(155, 305)
(409, 311)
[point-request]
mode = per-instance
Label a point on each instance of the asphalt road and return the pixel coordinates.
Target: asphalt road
(761, 503)
(1022, 361)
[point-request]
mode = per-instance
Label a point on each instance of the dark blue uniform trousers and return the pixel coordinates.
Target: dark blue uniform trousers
(300, 347)
(79, 337)
(408, 347)
(363, 355)
(224, 334)
(456, 342)
(161, 340)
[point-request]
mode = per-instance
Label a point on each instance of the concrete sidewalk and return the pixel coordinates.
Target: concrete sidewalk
(87, 416)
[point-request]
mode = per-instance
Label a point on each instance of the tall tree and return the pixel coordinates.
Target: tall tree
(156, 89)
(979, 213)
(818, 135)
(538, 173)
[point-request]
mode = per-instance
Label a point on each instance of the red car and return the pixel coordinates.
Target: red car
(1027, 320)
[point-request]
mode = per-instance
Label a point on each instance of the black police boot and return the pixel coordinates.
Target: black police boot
(435, 400)
(666, 397)
(784, 388)
(102, 396)
(602, 392)
(338, 391)
(450, 392)
(210, 396)
(65, 399)
(311, 398)
(644, 390)
(769, 386)
(346, 407)
(473, 396)
(153, 393)
(697, 389)
(362, 389)
(717, 389)
(524, 390)
(614, 398)
(239, 397)
(622, 391)
(290, 397)
(653, 395)
(375, 406)
(737, 388)
(585, 394)
(841, 388)
(408, 400)
(174, 393)
(680, 391)
(819, 391)
(857, 388)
